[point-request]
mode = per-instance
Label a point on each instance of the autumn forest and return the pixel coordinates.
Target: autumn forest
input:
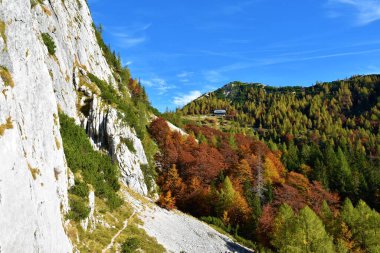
(292, 170)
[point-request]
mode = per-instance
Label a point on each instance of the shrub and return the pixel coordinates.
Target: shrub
(130, 245)
(80, 189)
(78, 210)
(49, 43)
(217, 222)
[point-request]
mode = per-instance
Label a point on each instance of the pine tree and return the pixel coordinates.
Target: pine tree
(364, 224)
(226, 197)
(304, 232)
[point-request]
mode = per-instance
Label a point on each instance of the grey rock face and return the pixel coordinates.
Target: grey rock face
(106, 129)
(33, 85)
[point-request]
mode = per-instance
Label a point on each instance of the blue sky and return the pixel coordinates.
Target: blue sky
(182, 48)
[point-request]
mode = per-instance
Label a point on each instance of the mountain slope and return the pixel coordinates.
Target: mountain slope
(312, 126)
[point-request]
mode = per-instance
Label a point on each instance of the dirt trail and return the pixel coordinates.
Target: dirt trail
(109, 246)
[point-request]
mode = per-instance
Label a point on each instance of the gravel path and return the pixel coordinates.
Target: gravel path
(179, 232)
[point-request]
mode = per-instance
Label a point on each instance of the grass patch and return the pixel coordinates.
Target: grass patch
(7, 125)
(111, 222)
(129, 143)
(55, 119)
(57, 143)
(46, 10)
(79, 4)
(137, 240)
(6, 76)
(33, 3)
(49, 43)
(3, 27)
(34, 171)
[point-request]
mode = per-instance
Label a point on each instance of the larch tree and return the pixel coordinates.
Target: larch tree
(304, 232)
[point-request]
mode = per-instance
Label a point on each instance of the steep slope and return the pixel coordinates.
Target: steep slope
(45, 46)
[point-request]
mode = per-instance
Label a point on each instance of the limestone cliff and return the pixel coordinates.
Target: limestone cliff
(35, 81)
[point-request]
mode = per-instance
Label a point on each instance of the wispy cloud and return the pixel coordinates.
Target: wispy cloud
(183, 99)
(130, 36)
(236, 7)
(184, 74)
(220, 74)
(302, 58)
(367, 11)
(158, 84)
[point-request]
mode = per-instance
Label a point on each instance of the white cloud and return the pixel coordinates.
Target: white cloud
(184, 74)
(368, 11)
(130, 36)
(131, 42)
(186, 98)
(158, 84)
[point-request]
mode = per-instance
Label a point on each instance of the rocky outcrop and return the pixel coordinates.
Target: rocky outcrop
(106, 128)
(33, 179)
(37, 78)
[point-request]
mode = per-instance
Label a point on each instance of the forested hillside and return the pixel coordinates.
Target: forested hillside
(236, 183)
(328, 132)
(283, 165)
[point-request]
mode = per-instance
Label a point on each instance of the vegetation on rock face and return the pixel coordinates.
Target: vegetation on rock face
(7, 125)
(49, 43)
(135, 112)
(34, 171)
(33, 3)
(2, 32)
(129, 144)
(95, 168)
(6, 77)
